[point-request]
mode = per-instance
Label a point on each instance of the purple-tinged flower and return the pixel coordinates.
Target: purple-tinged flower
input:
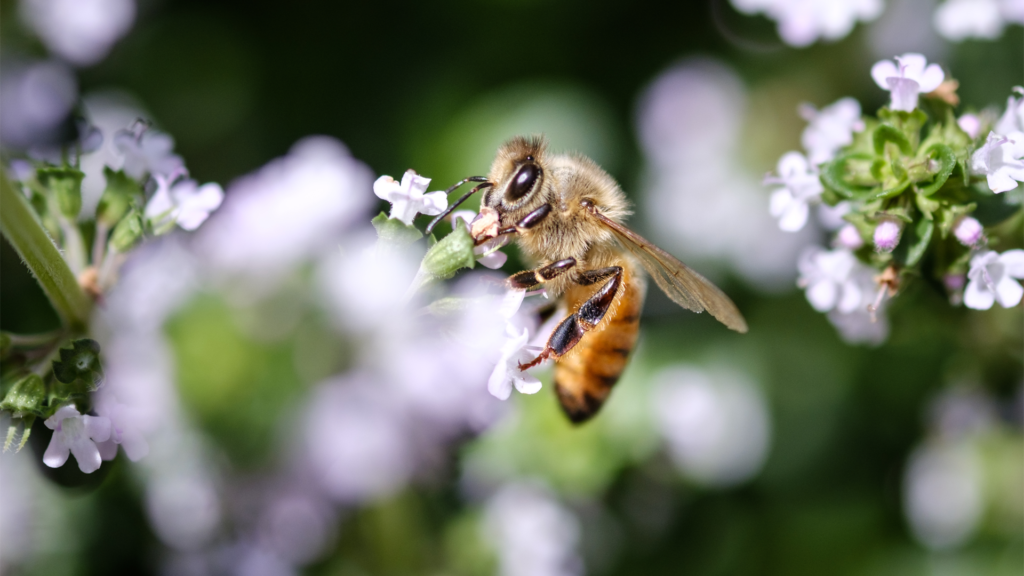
(1012, 119)
(887, 235)
(831, 217)
(124, 428)
(1001, 160)
(75, 434)
(407, 197)
(943, 493)
(184, 202)
(969, 231)
(489, 253)
(80, 31)
(801, 22)
(532, 533)
(849, 237)
(957, 20)
(147, 151)
(830, 128)
(993, 279)
(970, 123)
(954, 284)
(801, 185)
(506, 373)
(831, 279)
(905, 78)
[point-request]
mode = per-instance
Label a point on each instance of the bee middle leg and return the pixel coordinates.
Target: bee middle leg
(572, 329)
(530, 278)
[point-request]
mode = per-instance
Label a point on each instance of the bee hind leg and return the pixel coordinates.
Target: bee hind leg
(572, 329)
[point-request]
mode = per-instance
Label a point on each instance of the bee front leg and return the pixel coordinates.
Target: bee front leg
(572, 329)
(488, 232)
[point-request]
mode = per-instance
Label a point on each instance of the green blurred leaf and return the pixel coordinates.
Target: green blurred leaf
(121, 193)
(890, 134)
(947, 162)
(66, 184)
(26, 396)
(914, 242)
(835, 176)
(395, 231)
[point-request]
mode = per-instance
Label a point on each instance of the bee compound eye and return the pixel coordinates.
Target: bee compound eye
(522, 182)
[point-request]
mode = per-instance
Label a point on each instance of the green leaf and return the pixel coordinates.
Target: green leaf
(450, 254)
(80, 364)
(121, 193)
(914, 242)
(26, 396)
(395, 231)
(947, 162)
(66, 184)
(127, 232)
(890, 134)
(908, 123)
(834, 176)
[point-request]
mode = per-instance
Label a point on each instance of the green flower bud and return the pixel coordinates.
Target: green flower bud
(66, 184)
(118, 197)
(395, 232)
(26, 396)
(127, 232)
(80, 362)
(451, 253)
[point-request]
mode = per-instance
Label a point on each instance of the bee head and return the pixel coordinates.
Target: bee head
(517, 174)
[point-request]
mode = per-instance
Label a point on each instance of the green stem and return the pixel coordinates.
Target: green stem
(21, 227)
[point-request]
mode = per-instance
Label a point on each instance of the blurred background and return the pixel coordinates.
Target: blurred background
(293, 435)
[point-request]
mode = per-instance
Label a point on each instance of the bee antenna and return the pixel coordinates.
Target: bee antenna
(485, 184)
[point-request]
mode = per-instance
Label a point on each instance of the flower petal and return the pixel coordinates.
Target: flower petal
(384, 186)
(57, 452)
(87, 455)
(931, 78)
(434, 203)
(822, 295)
(498, 384)
(527, 384)
(1009, 292)
(108, 449)
(978, 296)
(135, 446)
(881, 71)
(1013, 260)
(794, 218)
(97, 427)
(493, 260)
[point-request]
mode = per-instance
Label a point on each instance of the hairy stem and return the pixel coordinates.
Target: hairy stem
(22, 228)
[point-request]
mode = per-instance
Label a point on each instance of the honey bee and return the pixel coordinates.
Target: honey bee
(566, 214)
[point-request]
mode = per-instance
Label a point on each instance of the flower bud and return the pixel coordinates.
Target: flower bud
(968, 231)
(453, 252)
(971, 124)
(117, 198)
(26, 396)
(887, 235)
(66, 185)
(848, 237)
(127, 232)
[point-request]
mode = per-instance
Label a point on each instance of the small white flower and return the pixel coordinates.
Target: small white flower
(905, 78)
(968, 231)
(185, 202)
(1001, 160)
(80, 31)
(149, 151)
(958, 20)
(992, 279)
(489, 253)
(78, 435)
(801, 185)
(831, 279)
(407, 197)
(830, 128)
(124, 429)
(849, 237)
(1012, 119)
(887, 235)
(507, 373)
(970, 123)
(801, 22)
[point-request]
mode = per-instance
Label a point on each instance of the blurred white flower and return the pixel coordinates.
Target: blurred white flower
(905, 78)
(34, 99)
(125, 428)
(296, 525)
(1012, 119)
(801, 22)
(506, 373)
(969, 231)
(716, 423)
(849, 238)
(532, 533)
(489, 253)
(147, 151)
(993, 279)
(293, 208)
(110, 112)
(861, 326)
(80, 31)
(830, 128)
(831, 217)
(1001, 160)
(960, 413)
(184, 202)
(831, 279)
(800, 186)
(181, 502)
(942, 493)
(407, 197)
(958, 20)
(75, 434)
(971, 124)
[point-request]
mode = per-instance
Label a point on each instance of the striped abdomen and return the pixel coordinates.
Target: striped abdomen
(585, 375)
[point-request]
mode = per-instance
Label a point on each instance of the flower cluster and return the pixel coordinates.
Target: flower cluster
(920, 194)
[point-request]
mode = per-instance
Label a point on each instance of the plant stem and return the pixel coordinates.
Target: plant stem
(21, 227)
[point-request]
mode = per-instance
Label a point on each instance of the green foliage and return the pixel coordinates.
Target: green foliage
(26, 396)
(394, 231)
(65, 182)
(122, 193)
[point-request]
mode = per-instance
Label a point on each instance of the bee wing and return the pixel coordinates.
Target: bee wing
(684, 286)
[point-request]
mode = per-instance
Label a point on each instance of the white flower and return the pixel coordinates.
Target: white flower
(957, 20)
(407, 197)
(532, 533)
(970, 123)
(507, 373)
(149, 151)
(830, 128)
(968, 231)
(78, 435)
(1001, 160)
(35, 98)
(80, 31)
(124, 428)
(801, 22)
(789, 204)
(860, 326)
(849, 237)
(489, 253)
(831, 279)
(992, 280)
(1012, 119)
(185, 202)
(909, 76)
(943, 493)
